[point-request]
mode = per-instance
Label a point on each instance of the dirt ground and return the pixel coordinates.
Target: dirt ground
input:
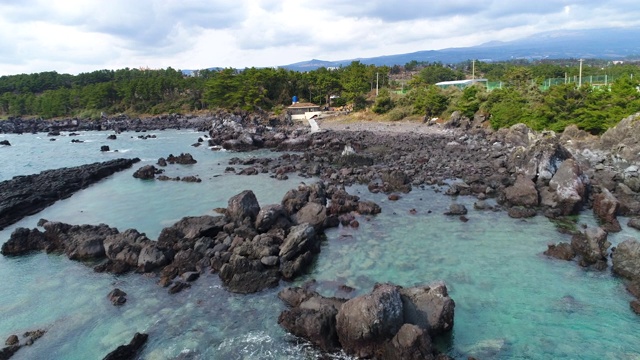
(350, 123)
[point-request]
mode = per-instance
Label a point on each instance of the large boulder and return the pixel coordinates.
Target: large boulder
(592, 247)
(311, 213)
(569, 186)
(562, 251)
(410, 343)
(272, 216)
(79, 242)
(301, 238)
(541, 161)
(146, 172)
(522, 193)
(245, 276)
(151, 258)
(22, 241)
(605, 208)
(626, 259)
(243, 205)
(312, 317)
(365, 322)
(428, 307)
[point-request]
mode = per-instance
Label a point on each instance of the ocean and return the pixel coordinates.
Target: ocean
(512, 302)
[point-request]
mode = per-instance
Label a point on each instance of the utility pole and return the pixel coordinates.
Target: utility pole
(377, 77)
(473, 69)
(580, 76)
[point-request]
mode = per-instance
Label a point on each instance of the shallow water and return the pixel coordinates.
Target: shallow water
(511, 301)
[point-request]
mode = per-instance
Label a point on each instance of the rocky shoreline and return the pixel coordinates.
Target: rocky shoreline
(253, 247)
(119, 123)
(29, 194)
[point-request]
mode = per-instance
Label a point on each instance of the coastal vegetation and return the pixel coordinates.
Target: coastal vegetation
(522, 92)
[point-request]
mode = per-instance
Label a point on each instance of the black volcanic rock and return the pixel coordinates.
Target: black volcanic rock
(27, 195)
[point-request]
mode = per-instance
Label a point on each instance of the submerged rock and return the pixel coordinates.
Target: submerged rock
(129, 351)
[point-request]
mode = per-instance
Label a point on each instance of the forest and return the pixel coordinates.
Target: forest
(402, 91)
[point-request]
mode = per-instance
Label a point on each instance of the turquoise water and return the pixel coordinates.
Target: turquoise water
(511, 301)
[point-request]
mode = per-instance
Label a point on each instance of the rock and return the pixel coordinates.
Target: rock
(182, 159)
(243, 205)
(569, 186)
(368, 208)
(190, 276)
(270, 260)
(272, 216)
(634, 223)
(130, 351)
(626, 259)
(410, 343)
(313, 214)
(178, 286)
(635, 306)
(605, 208)
(519, 212)
(592, 246)
(111, 137)
(12, 340)
(456, 209)
(540, 161)
(365, 322)
(428, 307)
(151, 258)
(104, 148)
(5, 143)
(23, 241)
(245, 276)
(117, 297)
(313, 320)
(522, 193)
(562, 251)
(301, 238)
(146, 172)
(27, 195)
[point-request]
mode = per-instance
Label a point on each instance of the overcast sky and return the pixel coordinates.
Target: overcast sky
(73, 36)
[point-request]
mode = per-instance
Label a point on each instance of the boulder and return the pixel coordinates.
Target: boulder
(151, 258)
(592, 247)
(634, 223)
(522, 193)
(605, 208)
(104, 148)
(562, 251)
(428, 307)
(366, 322)
(129, 351)
(410, 343)
(271, 216)
(540, 161)
(5, 143)
(245, 276)
(182, 159)
(626, 259)
(146, 172)
(456, 209)
(22, 241)
(313, 214)
(12, 340)
(314, 320)
(301, 238)
(243, 205)
(520, 212)
(117, 297)
(570, 187)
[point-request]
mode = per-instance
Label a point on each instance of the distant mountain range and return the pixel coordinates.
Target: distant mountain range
(610, 43)
(614, 43)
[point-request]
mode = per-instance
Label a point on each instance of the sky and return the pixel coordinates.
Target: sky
(74, 36)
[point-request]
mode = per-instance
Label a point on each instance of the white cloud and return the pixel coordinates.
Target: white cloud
(84, 35)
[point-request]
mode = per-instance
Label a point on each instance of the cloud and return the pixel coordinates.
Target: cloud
(84, 35)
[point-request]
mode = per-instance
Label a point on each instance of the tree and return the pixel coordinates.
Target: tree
(429, 101)
(383, 102)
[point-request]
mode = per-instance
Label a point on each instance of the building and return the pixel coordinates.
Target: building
(303, 111)
(461, 84)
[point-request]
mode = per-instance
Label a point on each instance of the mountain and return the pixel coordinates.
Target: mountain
(610, 43)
